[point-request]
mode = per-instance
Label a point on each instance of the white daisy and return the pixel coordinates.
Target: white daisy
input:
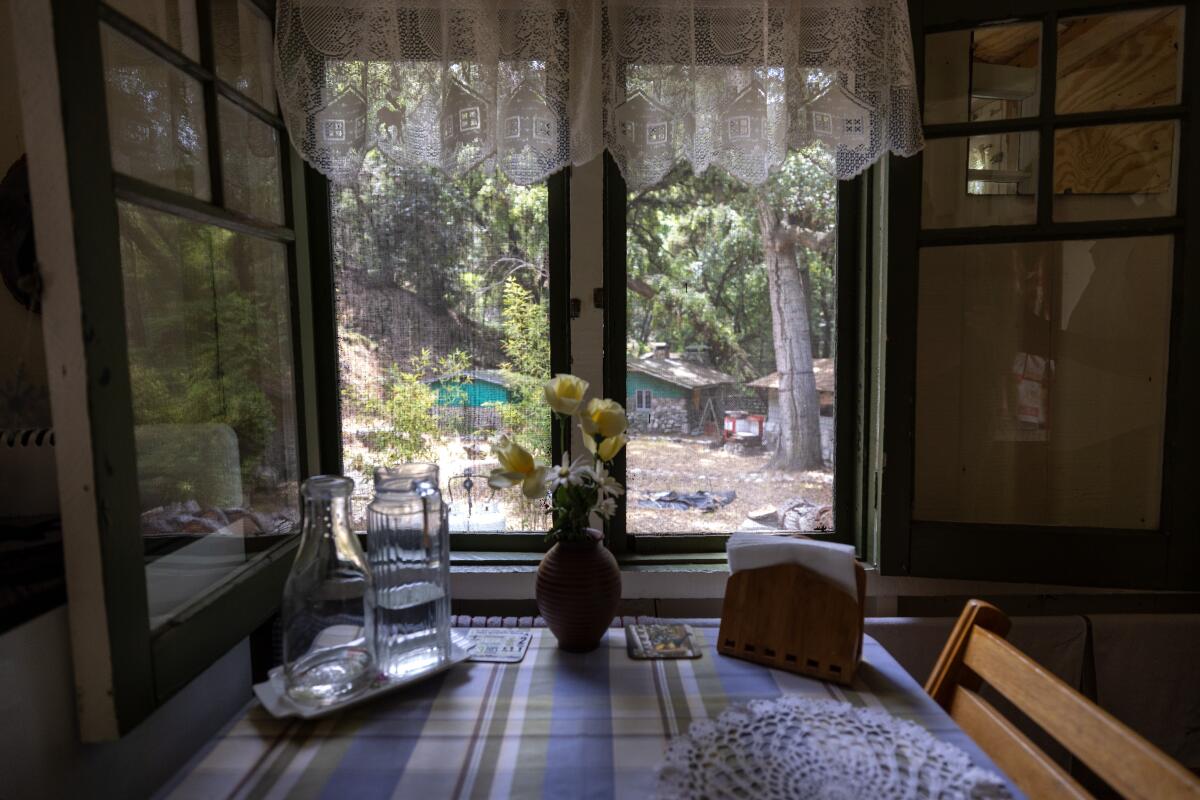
(607, 485)
(570, 474)
(606, 508)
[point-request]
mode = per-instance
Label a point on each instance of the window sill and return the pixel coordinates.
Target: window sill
(472, 559)
(489, 576)
(476, 575)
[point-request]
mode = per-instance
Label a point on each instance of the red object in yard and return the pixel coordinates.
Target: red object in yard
(740, 425)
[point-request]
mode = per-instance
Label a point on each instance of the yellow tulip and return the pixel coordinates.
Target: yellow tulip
(517, 468)
(512, 457)
(610, 446)
(605, 417)
(565, 392)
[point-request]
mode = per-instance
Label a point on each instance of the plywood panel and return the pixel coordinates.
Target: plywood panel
(1113, 61)
(1115, 159)
(1013, 45)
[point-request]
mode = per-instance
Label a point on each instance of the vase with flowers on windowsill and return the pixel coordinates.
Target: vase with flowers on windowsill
(578, 581)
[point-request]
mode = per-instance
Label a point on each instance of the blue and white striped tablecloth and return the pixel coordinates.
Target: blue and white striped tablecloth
(557, 725)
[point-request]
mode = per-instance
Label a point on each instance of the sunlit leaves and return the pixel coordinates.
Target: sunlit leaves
(696, 264)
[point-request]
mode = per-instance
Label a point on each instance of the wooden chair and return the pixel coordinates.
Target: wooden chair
(977, 652)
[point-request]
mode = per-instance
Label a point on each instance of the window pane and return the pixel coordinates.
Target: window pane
(250, 164)
(243, 51)
(1041, 376)
(173, 21)
(210, 358)
(1115, 171)
(1112, 61)
(731, 341)
(983, 74)
(443, 331)
(980, 180)
(155, 118)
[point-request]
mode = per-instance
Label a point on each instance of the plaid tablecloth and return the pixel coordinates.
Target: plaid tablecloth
(557, 725)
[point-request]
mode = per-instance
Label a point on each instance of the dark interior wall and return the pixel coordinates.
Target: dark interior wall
(24, 398)
(40, 753)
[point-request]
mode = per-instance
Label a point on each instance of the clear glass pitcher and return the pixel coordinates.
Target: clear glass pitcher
(408, 543)
(328, 601)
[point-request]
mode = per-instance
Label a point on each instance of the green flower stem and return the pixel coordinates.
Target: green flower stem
(564, 421)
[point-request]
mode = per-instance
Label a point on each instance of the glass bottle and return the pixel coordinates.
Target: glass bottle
(409, 546)
(328, 601)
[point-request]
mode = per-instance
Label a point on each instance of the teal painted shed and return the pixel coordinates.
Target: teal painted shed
(472, 389)
(673, 394)
(640, 381)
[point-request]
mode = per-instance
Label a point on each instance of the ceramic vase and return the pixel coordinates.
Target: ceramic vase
(578, 591)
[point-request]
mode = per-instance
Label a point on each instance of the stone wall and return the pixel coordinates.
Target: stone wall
(667, 415)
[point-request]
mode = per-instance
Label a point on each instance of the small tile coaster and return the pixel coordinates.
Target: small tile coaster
(659, 640)
(498, 645)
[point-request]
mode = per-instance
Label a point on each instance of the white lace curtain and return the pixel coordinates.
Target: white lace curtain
(530, 86)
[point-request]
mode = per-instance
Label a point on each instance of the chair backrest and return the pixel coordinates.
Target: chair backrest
(977, 652)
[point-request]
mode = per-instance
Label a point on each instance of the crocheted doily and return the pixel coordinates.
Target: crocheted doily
(798, 748)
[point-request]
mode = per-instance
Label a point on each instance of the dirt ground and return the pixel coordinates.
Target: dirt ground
(660, 464)
(655, 464)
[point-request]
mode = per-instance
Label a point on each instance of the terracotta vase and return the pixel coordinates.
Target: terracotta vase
(578, 590)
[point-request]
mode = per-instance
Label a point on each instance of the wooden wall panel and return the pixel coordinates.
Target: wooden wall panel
(1115, 61)
(1115, 159)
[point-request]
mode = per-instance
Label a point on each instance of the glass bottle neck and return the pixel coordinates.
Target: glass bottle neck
(328, 518)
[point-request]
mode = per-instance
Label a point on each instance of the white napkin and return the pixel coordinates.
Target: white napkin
(755, 550)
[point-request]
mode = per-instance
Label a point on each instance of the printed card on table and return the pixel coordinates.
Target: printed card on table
(662, 641)
(499, 645)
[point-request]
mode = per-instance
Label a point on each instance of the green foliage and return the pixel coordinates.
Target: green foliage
(696, 262)
(526, 343)
(209, 342)
(409, 407)
(572, 512)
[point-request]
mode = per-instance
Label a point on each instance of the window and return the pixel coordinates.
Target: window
(444, 293)
(723, 439)
(1036, 363)
(187, 415)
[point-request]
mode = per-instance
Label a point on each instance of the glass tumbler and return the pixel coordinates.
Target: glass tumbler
(328, 601)
(409, 547)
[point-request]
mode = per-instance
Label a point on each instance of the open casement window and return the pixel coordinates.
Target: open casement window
(445, 308)
(450, 297)
(1042, 374)
(711, 284)
(170, 224)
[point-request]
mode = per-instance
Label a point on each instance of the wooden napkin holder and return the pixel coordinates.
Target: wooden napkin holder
(789, 617)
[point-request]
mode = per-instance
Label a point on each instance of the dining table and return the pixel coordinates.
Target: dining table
(555, 725)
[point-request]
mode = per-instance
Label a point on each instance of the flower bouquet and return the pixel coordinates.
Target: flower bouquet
(578, 582)
(577, 489)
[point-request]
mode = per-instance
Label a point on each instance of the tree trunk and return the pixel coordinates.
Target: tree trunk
(799, 418)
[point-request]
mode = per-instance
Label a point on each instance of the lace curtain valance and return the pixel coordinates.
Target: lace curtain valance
(530, 86)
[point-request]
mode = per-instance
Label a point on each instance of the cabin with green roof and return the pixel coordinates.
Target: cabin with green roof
(674, 394)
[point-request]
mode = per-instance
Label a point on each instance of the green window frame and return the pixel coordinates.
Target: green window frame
(472, 548)
(124, 669)
(852, 373)
(1166, 558)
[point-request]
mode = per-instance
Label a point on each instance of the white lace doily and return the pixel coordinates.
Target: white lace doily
(801, 749)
